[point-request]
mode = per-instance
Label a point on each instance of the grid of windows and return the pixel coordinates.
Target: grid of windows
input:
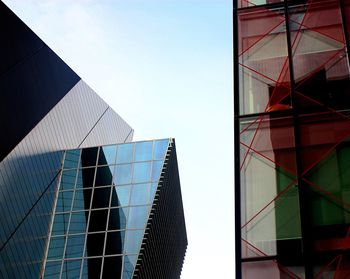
(292, 104)
(102, 207)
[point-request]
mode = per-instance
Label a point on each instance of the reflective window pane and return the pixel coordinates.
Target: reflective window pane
(142, 172)
(125, 153)
(122, 174)
(71, 269)
(133, 241)
(140, 194)
(56, 248)
(104, 176)
(115, 243)
(71, 159)
(53, 270)
(82, 199)
(64, 201)
(101, 197)
(138, 217)
(78, 222)
(75, 246)
(160, 149)
(98, 220)
(60, 224)
(117, 218)
(68, 179)
(143, 151)
(157, 167)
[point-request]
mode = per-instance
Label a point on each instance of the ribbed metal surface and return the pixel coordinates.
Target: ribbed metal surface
(28, 170)
(164, 247)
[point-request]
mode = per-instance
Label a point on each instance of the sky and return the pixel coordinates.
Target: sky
(165, 66)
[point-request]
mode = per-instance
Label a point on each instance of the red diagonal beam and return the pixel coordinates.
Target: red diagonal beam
(262, 37)
(326, 266)
(330, 195)
(267, 158)
(281, 267)
(269, 203)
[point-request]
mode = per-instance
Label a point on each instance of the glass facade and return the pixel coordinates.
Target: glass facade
(292, 108)
(103, 203)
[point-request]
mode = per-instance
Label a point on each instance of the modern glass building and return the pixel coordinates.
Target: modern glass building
(78, 199)
(292, 108)
(107, 202)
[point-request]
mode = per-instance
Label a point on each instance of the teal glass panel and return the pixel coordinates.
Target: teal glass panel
(68, 179)
(129, 266)
(125, 153)
(78, 222)
(71, 159)
(64, 201)
(140, 194)
(143, 151)
(122, 174)
(75, 246)
(82, 199)
(133, 241)
(120, 196)
(52, 270)
(60, 224)
(142, 172)
(138, 217)
(115, 243)
(107, 155)
(160, 149)
(156, 170)
(71, 269)
(79, 183)
(117, 218)
(56, 248)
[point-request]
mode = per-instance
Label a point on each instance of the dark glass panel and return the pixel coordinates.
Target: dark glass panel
(125, 153)
(95, 244)
(143, 151)
(115, 243)
(101, 197)
(117, 218)
(104, 176)
(112, 265)
(98, 220)
(91, 268)
(89, 156)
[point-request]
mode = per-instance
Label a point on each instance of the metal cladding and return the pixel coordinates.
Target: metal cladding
(292, 138)
(46, 111)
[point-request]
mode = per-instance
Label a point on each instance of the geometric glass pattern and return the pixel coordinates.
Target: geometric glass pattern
(292, 138)
(103, 202)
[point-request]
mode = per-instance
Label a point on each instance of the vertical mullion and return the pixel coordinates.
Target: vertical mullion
(237, 172)
(303, 191)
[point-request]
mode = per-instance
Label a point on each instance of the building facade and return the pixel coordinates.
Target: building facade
(292, 103)
(52, 125)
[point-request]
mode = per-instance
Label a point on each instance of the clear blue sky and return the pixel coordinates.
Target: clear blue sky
(166, 67)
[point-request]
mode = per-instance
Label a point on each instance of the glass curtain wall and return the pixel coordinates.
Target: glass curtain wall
(292, 117)
(104, 199)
